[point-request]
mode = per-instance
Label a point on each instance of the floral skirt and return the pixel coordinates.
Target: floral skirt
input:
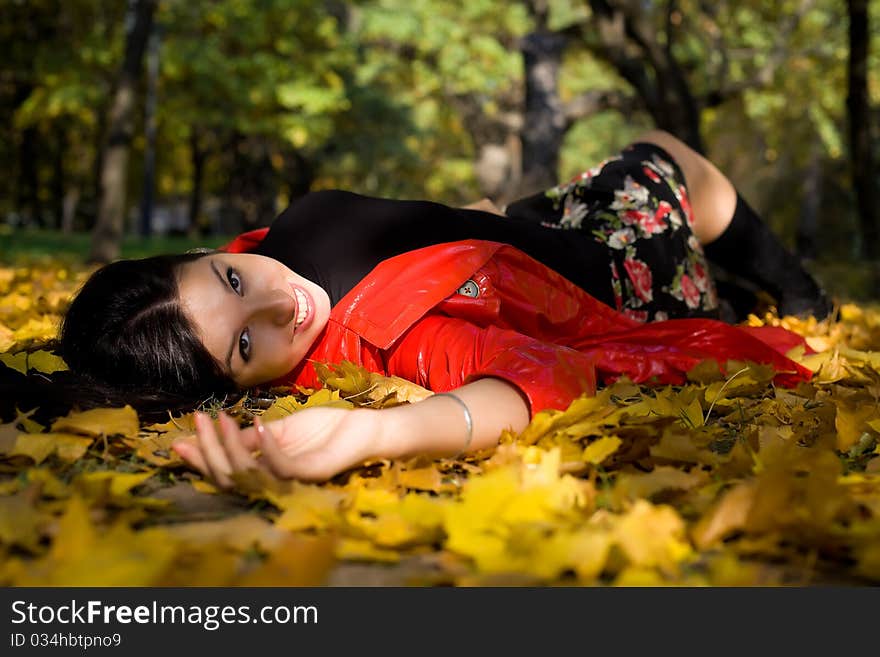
(636, 205)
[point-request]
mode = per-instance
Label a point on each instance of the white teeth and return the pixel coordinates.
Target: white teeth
(302, 306)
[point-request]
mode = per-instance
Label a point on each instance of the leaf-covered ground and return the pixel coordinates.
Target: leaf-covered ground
(725, 481)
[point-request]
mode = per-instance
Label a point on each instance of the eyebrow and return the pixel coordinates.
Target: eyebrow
(228, 289)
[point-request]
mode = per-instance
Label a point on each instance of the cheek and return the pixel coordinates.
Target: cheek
(277, 354)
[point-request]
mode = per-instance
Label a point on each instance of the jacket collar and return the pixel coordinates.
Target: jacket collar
(400, 290)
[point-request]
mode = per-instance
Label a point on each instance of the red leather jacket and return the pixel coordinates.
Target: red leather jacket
(448, 314)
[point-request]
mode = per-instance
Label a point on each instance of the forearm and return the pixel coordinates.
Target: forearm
(438, 426)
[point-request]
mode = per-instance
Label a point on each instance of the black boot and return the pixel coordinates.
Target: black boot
(748, 248)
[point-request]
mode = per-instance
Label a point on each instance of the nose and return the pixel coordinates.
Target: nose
(275, 305)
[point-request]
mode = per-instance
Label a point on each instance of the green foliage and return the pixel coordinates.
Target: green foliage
(379, 96)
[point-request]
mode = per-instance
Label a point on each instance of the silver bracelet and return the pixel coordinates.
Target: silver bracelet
(468, 419)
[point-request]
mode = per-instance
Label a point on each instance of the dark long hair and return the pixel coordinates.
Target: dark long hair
(127, 340)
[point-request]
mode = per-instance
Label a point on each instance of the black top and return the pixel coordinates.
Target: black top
(335, 238)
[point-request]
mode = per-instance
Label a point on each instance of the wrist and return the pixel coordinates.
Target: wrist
(388, 434)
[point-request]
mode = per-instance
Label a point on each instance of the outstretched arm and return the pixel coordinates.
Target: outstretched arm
(317, 443)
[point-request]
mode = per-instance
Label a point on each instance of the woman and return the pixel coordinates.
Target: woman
(504, 316)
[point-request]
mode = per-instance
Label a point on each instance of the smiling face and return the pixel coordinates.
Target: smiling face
(254, 315)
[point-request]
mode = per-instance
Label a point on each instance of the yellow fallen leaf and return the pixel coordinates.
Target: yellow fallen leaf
(18, 361)
(6, 338)
(354, 549)
(284, 406)
(391, 521)
(427, 478)
(20, 521)
(298, 561)
(40, 330)
(85, 555)
(46, 362)
(110, 486)
(204, 486)
(39, 446)
(241, 532)
(662, 478)
(156, 449)
(583, 551)
(730, 514)
(652, 536)
(308, 506)
(50, 485)
(25, 422)
(8, 434)
(500, 517)
(637, 576)
(100, 421)
(851, 421)
(185, 424)
(599, 450)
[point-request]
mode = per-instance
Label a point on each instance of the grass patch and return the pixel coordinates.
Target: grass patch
(29, 243)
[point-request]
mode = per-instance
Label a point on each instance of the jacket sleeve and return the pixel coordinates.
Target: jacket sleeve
(442, 353)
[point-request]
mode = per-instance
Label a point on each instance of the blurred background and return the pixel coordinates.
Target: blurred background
(171, 123)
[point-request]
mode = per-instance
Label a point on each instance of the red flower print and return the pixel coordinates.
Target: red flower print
(685, 203)
(630, 217)
(638, 315)
(651, 174)
(653, 224)
(690, 292)
(640, 275)
(701, 277)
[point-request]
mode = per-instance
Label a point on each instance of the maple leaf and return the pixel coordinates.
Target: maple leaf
(297, 561)
(308, 506)
(38, 446)
(284, 406)
(365, 388)
(21, 523)
(83, 555)
(100, 422)
(652, 536)
(599, 450)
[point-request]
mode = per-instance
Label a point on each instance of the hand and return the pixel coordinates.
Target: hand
(313, 445)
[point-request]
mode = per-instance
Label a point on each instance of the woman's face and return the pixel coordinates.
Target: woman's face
(254, 315)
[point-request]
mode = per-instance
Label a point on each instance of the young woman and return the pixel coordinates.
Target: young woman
(502, 313)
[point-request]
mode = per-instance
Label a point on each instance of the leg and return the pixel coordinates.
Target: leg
(736, 238)
(712, 195)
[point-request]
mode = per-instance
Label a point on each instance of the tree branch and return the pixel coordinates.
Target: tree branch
(764, 75)
(598, 100)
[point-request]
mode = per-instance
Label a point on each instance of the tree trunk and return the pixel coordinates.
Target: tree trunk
(638, 55)
(545, 121)
(299, 173)
(858, 106)
(28, 187)
(58, 177)
(107, 234)
(71, 201)
(251, 190)
(497, 144)
(808, 226)
(197, 157)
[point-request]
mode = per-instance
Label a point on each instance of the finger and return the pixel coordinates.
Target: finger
(277, 460)
(190, 453)
(238, 455)
(250, 440)
(212, 451)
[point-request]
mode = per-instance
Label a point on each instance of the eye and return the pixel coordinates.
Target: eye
(234, 279)
(244, 345)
